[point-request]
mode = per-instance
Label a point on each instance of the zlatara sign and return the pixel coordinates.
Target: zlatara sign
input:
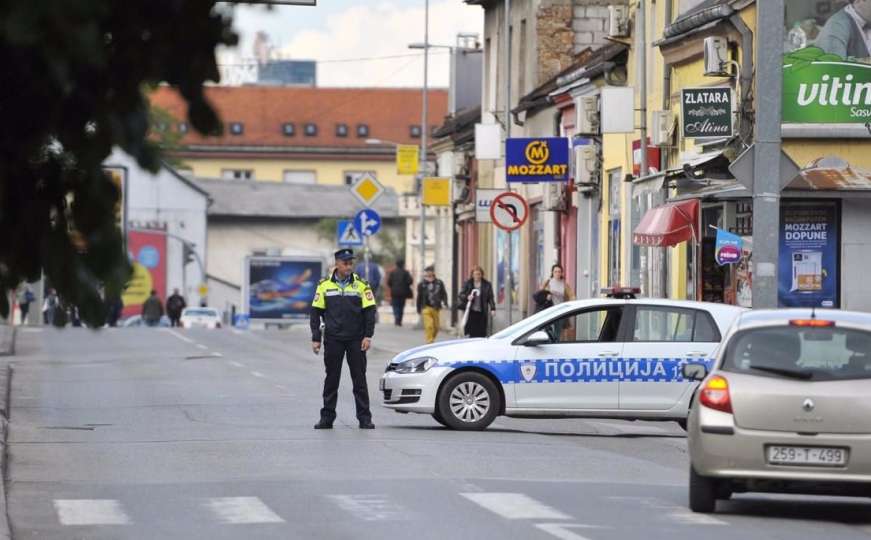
(820, 88)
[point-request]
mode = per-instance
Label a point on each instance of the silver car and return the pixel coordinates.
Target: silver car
(786, 408)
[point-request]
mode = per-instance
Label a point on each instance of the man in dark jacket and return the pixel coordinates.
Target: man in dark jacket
(152, 310)
(175, 304)
(431, 298)
(399, 282)
(346, 304)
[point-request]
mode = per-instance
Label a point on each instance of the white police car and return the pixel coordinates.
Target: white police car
(604, 358)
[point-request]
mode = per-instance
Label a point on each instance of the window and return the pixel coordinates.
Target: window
(352, 176)
(237, 174)
(311, 130)
(288, 129)
(415, 132)
(666, 324)
(362, 130)
(300, 177)
(341, 130)
(591, 326)
(182, 127)
(237, 128)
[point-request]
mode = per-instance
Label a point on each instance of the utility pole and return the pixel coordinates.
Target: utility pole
(509, 268)
(767, 149)
(423, 138)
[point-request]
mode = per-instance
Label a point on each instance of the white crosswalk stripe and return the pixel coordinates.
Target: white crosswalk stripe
(90, 512)
(242, 510)
(515, 506)
(370, 507)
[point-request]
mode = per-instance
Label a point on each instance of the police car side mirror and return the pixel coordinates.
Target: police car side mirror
(694, 372)
(537, 338)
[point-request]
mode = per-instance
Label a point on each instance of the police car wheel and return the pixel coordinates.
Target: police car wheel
(468, 402)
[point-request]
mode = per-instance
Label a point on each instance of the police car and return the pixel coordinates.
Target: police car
(614, 357)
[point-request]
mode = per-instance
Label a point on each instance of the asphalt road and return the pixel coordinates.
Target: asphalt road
(152, 433)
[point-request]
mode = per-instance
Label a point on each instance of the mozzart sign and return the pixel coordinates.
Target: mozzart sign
(707, 112)
(537, 160)
(823, 88)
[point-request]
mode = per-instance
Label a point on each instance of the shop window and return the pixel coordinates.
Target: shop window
(614, 227)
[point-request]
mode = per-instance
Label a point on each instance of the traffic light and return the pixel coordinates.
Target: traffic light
(188, 254)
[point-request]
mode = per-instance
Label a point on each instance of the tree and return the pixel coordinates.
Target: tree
(72, 88)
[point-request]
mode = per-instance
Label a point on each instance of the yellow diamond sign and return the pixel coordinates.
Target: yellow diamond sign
(367, 189)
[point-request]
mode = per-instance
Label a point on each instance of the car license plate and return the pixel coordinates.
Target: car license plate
(807, 455)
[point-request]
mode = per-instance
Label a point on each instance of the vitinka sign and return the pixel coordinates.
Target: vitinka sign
(707, 112)
(823, 88)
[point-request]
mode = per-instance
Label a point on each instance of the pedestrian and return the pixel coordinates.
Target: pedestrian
(431, 298)
(114, 308)
(175, 304)
(557, 292)
(346, 304)
(24, 301)
(477, 296)
(152, 310)
(49, 307)
(399, 282)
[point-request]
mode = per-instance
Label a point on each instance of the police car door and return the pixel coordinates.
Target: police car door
(662, 338)
(575, 370)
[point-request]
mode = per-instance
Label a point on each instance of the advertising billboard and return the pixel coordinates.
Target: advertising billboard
(827, 65)
(279, 288)
(537, 160)
(808, 273)
(147, 252)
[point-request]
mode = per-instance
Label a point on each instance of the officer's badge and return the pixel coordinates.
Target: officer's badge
(527, 370)
(369, 296)
(317, 296)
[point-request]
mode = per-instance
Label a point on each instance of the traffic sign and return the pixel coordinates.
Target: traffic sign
(203, 289)
(347, 234)
(367, 222)
(407, 159)
(367, 189)
(509, 211)
(437, 191)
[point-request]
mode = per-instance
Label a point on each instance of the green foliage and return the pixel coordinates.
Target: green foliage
(71, 89)
(160, 125)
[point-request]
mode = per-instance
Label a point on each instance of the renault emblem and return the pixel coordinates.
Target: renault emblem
(808, 405)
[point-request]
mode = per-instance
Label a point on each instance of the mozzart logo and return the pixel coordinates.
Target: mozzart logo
(537, 152)
(820, 88)
(537, 160)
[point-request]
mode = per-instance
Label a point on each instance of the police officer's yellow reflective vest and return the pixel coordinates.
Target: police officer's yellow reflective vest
(348, 312)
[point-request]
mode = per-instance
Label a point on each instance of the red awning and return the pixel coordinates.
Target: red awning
(667, 225)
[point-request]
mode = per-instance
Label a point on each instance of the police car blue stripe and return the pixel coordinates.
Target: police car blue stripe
(583, 370)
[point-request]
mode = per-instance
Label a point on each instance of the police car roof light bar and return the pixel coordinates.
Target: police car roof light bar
(622, 293)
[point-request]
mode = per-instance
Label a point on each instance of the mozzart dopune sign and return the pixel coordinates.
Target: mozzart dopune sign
(823, 88)
(537, 160)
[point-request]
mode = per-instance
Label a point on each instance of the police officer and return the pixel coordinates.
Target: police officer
(347, 306)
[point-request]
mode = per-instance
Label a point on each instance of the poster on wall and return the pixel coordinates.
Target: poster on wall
(280, 288)
(502, 265)
(827, 65)
(808, 274)
(147, 253)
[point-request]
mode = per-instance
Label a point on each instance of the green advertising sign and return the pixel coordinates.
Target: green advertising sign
(821, 88)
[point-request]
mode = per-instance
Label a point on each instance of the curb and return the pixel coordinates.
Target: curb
(7, 340)
(5, 394)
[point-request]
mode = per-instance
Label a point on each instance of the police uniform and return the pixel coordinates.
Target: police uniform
(348, 311)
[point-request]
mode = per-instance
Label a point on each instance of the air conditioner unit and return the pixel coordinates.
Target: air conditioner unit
(588, 115)
(618, 21)
(661, 131)
(554, 197)
(716, 57)
(586, 165)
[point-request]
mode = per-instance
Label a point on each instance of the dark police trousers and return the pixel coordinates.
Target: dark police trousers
(334, 351)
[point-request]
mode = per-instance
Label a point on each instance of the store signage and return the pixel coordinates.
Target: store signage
(707, 112)
(823, 88)
(728, 247)
(808, 263)
(483, 200)
(537, 160)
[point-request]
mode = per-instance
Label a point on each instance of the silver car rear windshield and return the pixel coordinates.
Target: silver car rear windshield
(803, 353)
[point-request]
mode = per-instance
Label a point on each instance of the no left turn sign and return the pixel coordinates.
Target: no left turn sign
(509, 211)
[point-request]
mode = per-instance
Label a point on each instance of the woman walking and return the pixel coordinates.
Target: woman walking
(558, 292)
(477, 295)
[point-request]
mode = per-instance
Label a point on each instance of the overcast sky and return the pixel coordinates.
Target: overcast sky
(340, 30)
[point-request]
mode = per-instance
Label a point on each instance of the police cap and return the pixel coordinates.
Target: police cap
(344, 254)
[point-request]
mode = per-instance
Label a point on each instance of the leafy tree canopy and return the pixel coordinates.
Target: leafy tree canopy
(71, 88)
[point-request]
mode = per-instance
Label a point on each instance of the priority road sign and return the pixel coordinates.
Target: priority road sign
(509, 211)
(367, 189)
(347, 234)
(367, 222)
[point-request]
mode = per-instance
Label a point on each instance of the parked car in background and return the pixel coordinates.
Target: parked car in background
(785, 408)
(200, 317)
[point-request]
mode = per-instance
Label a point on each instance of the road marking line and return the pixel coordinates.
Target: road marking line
(90, 512)
(561, 530)
(258, 374)
(241, 510)
(371, 507)
(203, 347)
(236, 364)
(514, 506)
(179, 336)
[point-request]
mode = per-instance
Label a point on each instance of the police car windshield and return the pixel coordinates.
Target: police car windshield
(530, 322)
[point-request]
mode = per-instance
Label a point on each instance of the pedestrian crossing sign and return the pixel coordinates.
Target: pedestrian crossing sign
(347, 234)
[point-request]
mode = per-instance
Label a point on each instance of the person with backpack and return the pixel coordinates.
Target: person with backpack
(399, 282)
(175, 304)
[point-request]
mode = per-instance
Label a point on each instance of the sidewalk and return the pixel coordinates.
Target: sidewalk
(7, 340)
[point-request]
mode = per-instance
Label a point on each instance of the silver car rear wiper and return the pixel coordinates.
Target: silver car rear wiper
(793, 374)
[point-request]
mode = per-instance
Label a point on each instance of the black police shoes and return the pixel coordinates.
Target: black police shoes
(366, 424)
(323, 424)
